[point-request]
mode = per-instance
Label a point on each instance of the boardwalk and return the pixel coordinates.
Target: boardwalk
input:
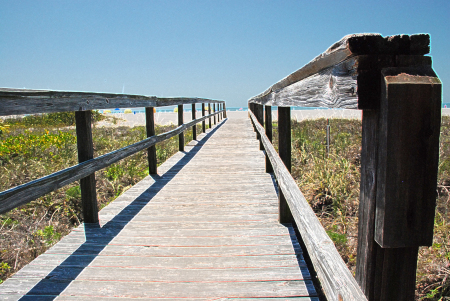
(205, 229)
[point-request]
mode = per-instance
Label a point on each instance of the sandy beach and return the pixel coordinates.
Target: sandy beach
(164, 118)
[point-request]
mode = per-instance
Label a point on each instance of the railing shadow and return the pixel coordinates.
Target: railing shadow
(97, 238)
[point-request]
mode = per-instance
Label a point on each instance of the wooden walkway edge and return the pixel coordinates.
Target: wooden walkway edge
(205, 229)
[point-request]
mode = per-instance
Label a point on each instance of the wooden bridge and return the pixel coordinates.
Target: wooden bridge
(223, 219)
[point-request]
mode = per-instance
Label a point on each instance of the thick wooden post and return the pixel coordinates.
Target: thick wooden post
(180, 122)
(86, 152)
(268, 117)
(209, 113)
(151, 151)
(194, 128)
(399, 161)
(224, 111)
(203, 122)
(259, 113)
(284, 149)
(219, 105)
(214, 110)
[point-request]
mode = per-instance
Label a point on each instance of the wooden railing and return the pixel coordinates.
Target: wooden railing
(18, 102)
(394, 85)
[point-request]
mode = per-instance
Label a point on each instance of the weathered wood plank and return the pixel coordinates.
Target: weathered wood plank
(329, 80)
(24, 101)
(336, 280)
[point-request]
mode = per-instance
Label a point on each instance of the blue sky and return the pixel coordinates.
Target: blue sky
(227, 50)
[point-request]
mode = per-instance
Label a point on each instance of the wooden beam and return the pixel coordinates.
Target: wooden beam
(22, 194)
(180, 123)
(214, 110)
(408, 157)
(25, 101)
(194, 128)
(330, 79)
(259, 113)
(151, 151)
(284, 149)
(336, 279)
(203, 122)
(85, 148)
(268, 123)
(209, 112)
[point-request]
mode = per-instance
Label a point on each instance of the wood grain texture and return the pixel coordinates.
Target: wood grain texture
(408, 157)
(190, 232)
(336, 280)
(14, 197)
(268, 124)
(329, 80)
(24, 101)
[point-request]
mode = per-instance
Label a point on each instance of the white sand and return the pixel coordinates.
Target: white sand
(169, 117)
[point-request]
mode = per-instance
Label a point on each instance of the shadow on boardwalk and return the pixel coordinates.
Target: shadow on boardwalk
(97, 238)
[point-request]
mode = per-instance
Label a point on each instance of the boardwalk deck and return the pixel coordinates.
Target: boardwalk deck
(204, 229)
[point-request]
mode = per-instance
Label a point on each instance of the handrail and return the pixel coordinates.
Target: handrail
(336, 279)
(24, 101)
(395, 86)
(21, 101)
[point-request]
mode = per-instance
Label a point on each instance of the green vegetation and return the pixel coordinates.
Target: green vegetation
(35, 146)
(330, 183)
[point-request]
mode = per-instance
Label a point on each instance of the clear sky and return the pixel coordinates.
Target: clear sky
(227, 50)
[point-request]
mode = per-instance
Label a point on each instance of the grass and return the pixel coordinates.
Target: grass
(330, 183)
(35, 146)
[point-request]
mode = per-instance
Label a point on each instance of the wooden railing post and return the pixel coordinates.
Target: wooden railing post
(259, 113)
(214, 110)
(219, 105)
(180, 122)
(209, 113)
(194, 128)
(151, 151)
(86, 152)
(397, 208)
(284, 149)
(268, 117)
(224, 111)
(203, 122)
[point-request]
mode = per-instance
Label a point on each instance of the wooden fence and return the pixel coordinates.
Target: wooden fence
(394, 85)
(18, 102)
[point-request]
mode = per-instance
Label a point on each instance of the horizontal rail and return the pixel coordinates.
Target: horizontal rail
(24, 101)
(20, 195)
(332, 78)
(336, 280)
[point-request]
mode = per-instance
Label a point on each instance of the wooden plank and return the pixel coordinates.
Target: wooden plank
(92, 289)
(329, 79)
(151, 151)
(180, 123)
(209, 113)
(85, 147)
(336, 280)
(284, 149)
(194, 127)
(25, 101)
(14, 197)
